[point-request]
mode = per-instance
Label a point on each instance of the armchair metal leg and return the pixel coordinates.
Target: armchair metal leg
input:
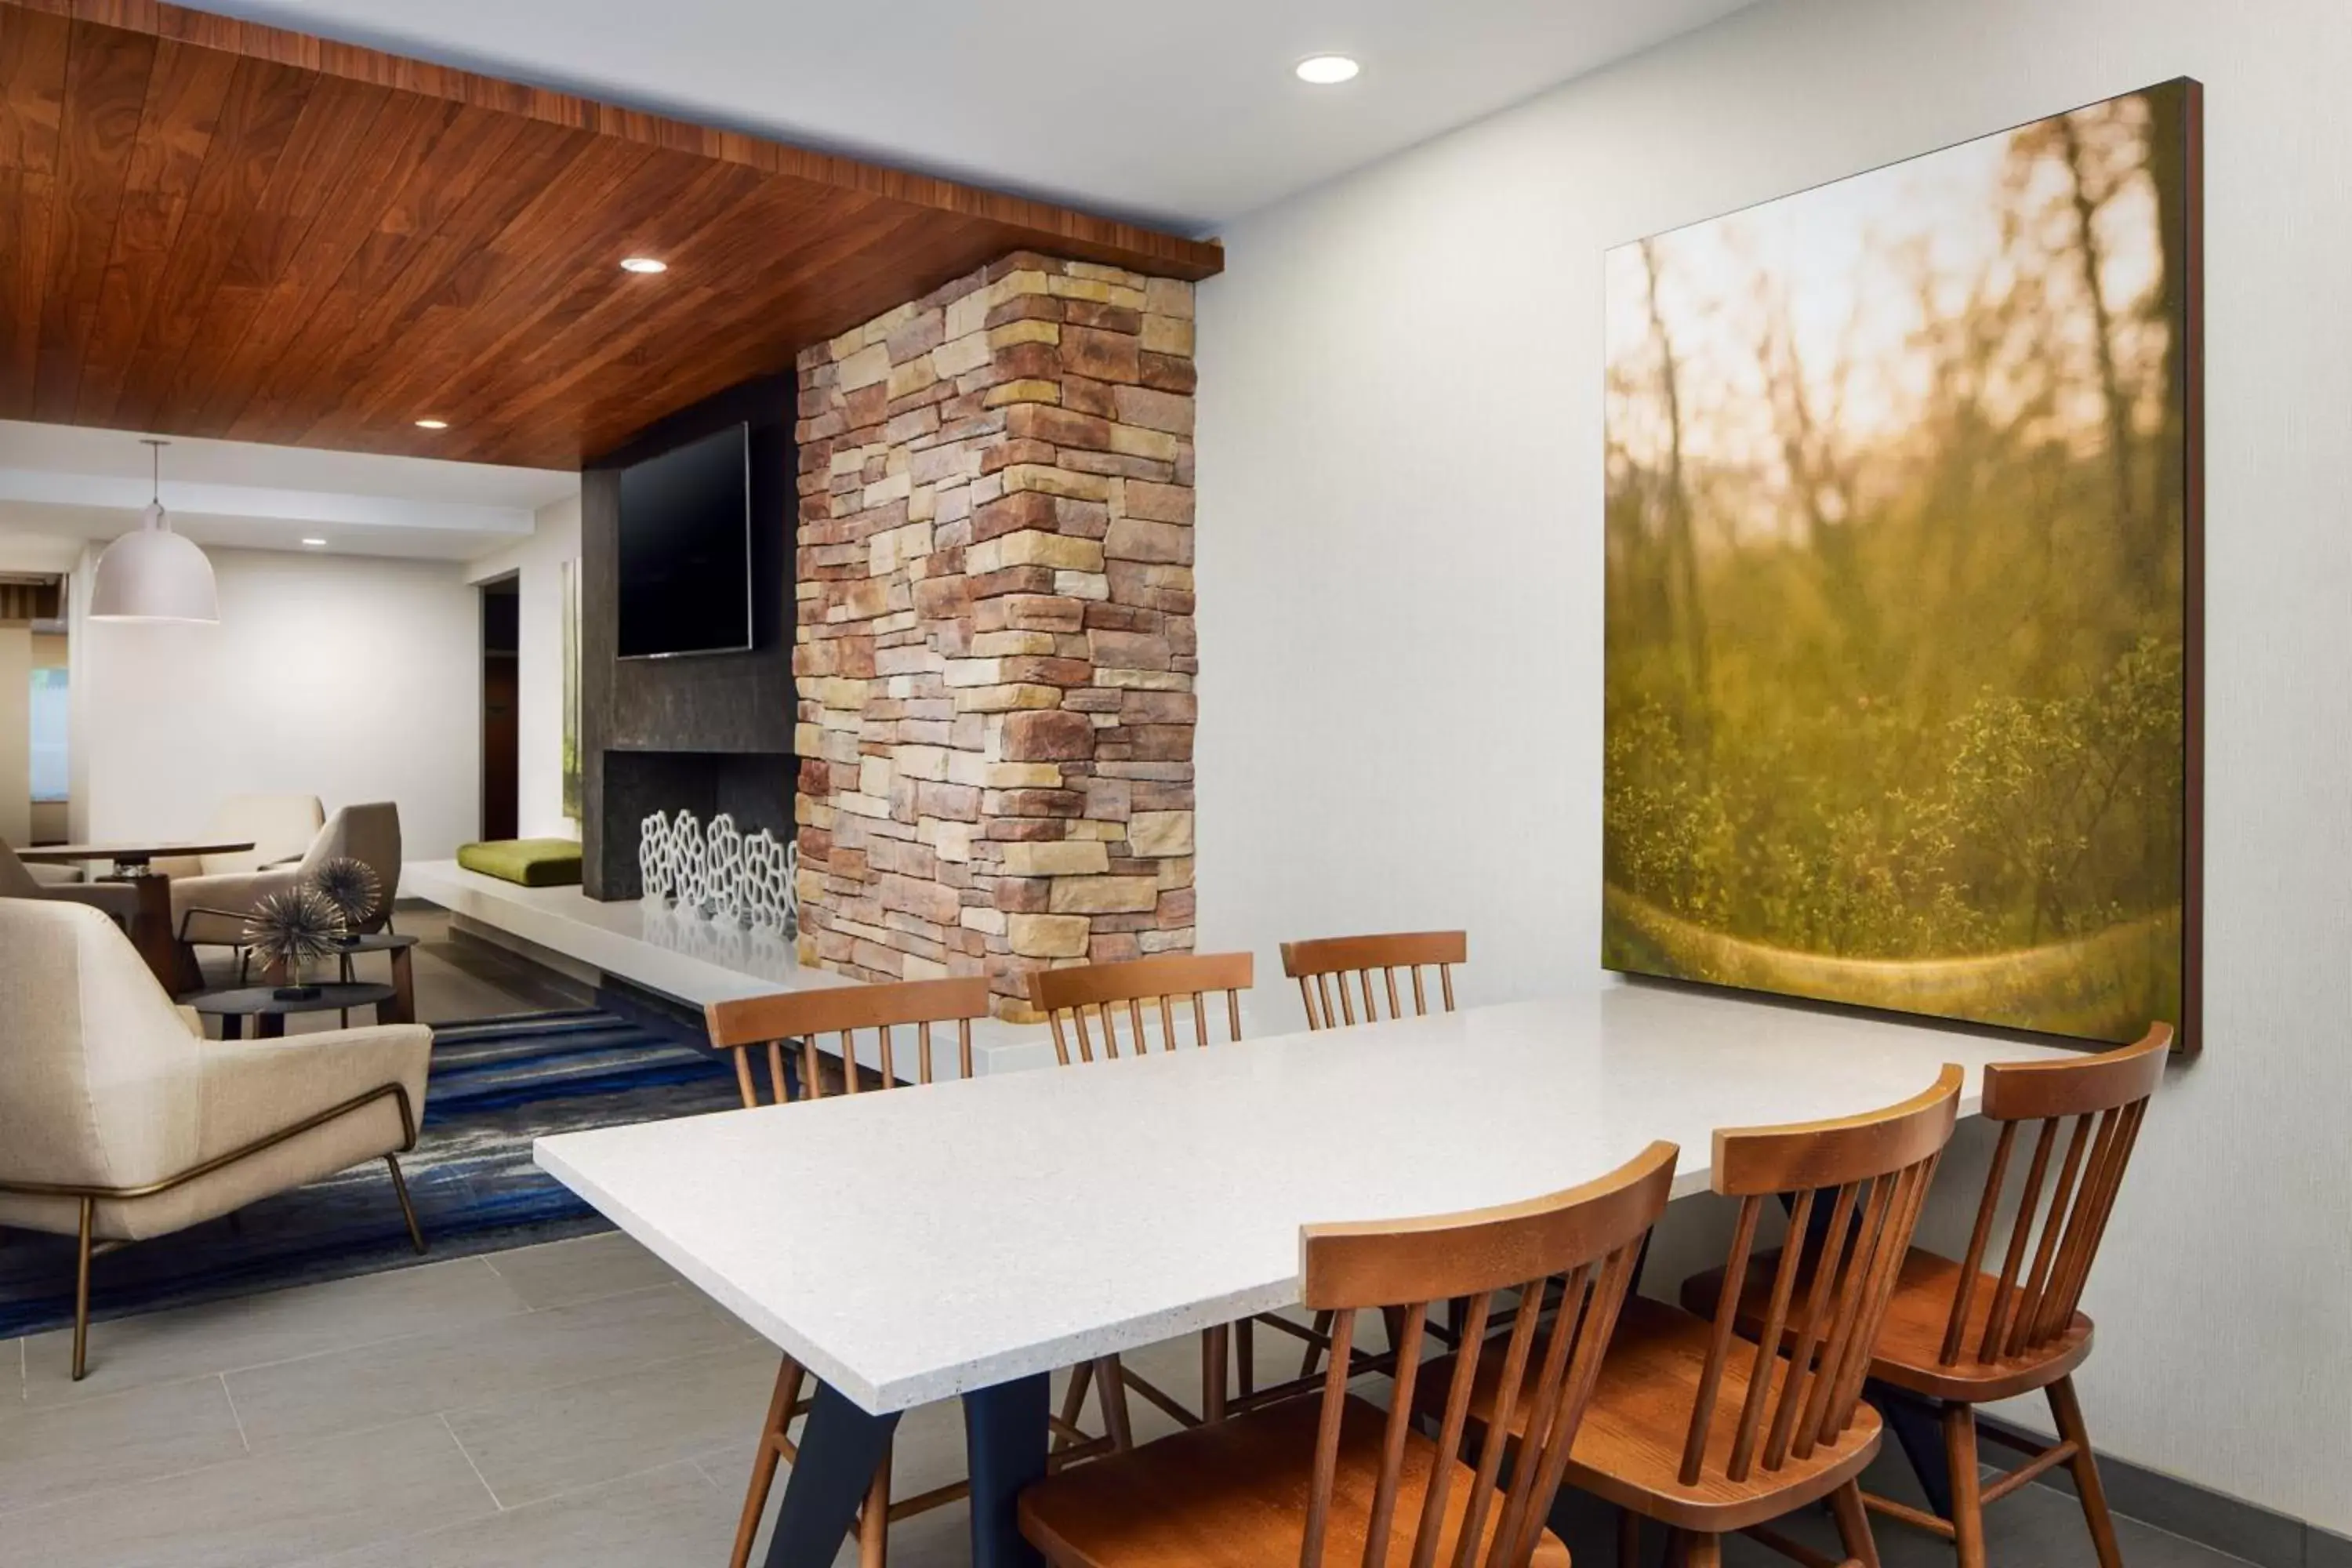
(81, 1292)
(407, 1209)
(88, 1198)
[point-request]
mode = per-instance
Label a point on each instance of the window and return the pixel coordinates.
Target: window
(49, 777)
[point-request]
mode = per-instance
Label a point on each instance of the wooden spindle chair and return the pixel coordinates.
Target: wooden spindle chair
(1085, 1006)
(1091, 999)
(1326, 968)
(1336, 1482)
(1961, 1336)
(775, 1028)
(1708, 1432)
(1354, 961)
(1965, 1337)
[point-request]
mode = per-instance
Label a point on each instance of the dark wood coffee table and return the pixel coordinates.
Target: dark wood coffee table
(270, 1011)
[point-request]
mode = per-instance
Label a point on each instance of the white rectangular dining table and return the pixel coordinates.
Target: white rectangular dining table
(967, 1238)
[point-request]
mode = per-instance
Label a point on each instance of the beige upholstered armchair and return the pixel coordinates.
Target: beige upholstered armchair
(210, 911)
(280, 828)
(118, 900)
(118, 1121)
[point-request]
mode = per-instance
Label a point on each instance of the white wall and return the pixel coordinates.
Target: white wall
(1400, 564)
(538, 565)
(348, 679)
(15, 734)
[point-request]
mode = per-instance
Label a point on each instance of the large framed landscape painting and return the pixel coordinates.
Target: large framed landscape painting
(1903, 541)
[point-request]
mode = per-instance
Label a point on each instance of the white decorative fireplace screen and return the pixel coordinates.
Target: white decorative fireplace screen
(722, 873)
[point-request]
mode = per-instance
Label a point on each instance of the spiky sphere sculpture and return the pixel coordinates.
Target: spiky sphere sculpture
(292, 926)
(351, 886)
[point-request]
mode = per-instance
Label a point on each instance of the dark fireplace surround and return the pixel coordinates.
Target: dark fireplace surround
(709, 733)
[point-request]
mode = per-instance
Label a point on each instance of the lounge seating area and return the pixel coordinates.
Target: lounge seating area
(1383, 786)
(125, 1123)
(211, 907)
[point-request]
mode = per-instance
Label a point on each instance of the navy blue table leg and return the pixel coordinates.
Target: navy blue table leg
(839, 1448)
(1005, 1438)
(1917, 1424)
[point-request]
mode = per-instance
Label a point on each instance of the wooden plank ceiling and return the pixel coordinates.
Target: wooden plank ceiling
(209, 228)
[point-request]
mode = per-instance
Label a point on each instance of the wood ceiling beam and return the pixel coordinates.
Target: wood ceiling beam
(1120, 244)
(211, 228)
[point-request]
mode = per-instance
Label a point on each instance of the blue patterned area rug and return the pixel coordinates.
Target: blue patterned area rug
(495, 1085)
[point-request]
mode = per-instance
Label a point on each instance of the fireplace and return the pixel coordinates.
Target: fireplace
(754, 788)
(710, 733)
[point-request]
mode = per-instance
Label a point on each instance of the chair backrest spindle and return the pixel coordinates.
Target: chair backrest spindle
(2098, 1104)
(1079, 1000)
(1584, 1241)
(769, 1024)
(1869, 1175)
(1352, 962)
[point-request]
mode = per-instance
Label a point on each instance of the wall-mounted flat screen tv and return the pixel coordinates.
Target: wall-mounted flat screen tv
(686, 549)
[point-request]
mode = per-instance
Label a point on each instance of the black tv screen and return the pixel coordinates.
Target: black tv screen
(686, 549)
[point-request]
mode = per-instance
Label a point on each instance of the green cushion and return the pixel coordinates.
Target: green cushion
(534, 862)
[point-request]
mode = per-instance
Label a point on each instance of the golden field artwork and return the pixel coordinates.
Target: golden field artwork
(1903, 531)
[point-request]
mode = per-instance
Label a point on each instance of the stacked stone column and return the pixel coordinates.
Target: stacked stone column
(995, 651)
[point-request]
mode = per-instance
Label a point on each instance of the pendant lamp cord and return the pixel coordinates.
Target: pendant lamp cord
(154, 480)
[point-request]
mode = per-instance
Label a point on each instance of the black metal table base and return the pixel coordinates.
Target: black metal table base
(1005, 1434)
(1005, 1430)
(1917, 1424)
(840, 1445)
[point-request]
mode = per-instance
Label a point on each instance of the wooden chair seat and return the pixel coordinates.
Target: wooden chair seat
(1233, 1495)
(1910, 1343)
(1630, 1448)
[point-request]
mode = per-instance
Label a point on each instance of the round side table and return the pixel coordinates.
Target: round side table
(270, 1011)
(402, 1008)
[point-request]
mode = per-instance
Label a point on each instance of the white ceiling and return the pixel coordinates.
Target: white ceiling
(61, 486)
(1184, 114)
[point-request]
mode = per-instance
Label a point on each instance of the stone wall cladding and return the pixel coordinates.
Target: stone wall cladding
(995, 651)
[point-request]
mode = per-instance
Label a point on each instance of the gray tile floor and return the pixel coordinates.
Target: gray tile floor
(570, 1405)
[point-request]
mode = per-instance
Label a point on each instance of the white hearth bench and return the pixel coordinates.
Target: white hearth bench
(674, 954)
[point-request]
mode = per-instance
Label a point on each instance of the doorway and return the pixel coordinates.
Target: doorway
(501, 703)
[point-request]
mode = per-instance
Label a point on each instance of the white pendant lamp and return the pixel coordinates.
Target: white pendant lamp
(155, 574)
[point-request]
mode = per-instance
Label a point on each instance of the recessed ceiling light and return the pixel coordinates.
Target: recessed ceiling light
(433, 425)
(1327, 71)
(316, 544)
(643, 264)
